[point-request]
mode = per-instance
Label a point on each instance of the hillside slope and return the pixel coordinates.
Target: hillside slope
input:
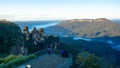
(90, 28)
(11, 38)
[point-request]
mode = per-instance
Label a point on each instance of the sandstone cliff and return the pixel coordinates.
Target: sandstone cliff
(36, 40)
(90, 28)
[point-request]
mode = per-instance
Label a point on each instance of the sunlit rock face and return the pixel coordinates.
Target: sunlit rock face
(41, 31)
(26, 33)
(34, 36)
(36, 40)
(87, 20)
(89, 28)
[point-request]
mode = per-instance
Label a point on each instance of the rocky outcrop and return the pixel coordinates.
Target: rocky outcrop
(34, 37)
(36, 40)
(14, 41)
(26, 33)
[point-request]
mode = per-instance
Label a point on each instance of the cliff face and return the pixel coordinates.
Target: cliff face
(96, 28)
(87, 20)
(11, 38)
(90, 28)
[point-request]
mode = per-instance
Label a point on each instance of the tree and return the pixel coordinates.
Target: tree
(88, 60)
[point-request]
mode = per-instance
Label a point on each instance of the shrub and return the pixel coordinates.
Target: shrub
(9, 58)
(13, 61)
(1, 60)
(88, 60)
(31, 57)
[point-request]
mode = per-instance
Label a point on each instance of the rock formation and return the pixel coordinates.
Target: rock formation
(41, 31)
(26, 33)
(14, 41)
(36, 39)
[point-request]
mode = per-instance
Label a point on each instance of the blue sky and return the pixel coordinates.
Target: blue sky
(58, 9)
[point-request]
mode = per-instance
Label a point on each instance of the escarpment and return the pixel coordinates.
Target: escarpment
(14, 41)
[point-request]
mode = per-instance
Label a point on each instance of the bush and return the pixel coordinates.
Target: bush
(1, 60)
(13, 61)
(88, 60)
(9, 58)
(31, 57)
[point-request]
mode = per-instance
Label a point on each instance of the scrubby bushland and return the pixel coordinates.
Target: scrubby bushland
(85, 59)
(13, 61)
(88, 60)
(108, 58)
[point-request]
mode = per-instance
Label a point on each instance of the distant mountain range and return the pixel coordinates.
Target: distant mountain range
(116, 21)
(87, 28)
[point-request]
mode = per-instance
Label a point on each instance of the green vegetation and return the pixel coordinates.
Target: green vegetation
(84, 59)
(10, 38)
(33, 48)
(88, 60)
(109, 56)
(13, 61)
(85, 54)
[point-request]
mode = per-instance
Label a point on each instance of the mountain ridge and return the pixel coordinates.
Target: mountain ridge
(90, 28)
(88, 20)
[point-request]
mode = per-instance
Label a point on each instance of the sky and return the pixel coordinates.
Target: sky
(59, 9)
